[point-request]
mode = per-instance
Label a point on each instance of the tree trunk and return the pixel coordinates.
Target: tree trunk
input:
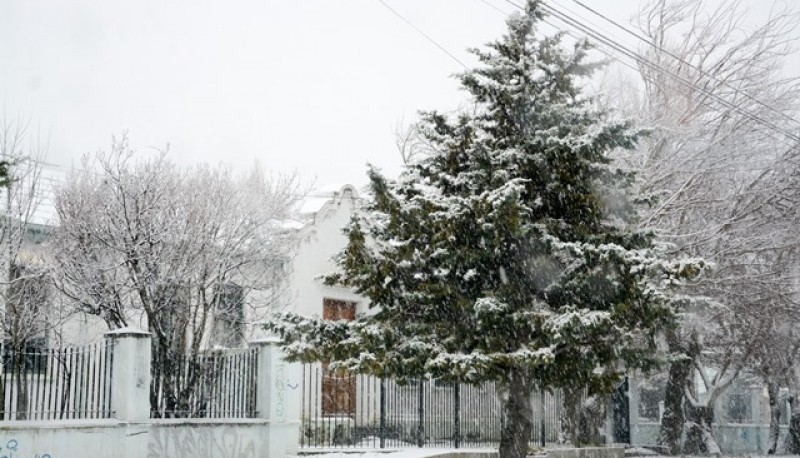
(3, 381)
(592, 419)
(792, 443)
(671, 430)
(571, 417)
(518, 412)
(21, 384)
(699, 434)
(773, 389)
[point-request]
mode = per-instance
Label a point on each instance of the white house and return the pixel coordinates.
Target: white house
(325, 215)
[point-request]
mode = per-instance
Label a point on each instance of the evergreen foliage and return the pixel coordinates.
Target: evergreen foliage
(6, 177)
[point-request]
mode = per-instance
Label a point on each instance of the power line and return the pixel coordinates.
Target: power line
(601, 38)
(567, 32)
(494, 7)
(615, 45)
(421, 32)
(644, 61)
(685, 62)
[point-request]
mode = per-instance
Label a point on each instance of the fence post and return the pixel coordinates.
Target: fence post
(542, 421)
(633, 408)
(502, 418)
(421, 412)
(130, 374)
(383, 412)
(278, 397)
(457, 413)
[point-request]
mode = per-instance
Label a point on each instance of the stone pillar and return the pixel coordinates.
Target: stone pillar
(278, 397)
(130, 374)
(633, 397)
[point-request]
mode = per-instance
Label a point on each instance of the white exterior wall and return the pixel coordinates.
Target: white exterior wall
(80, 329)
(229, 438)
(320, 240)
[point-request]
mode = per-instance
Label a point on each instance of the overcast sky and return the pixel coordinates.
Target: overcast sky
(315, 86)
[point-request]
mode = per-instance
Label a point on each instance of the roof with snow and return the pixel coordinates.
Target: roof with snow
(318, 199)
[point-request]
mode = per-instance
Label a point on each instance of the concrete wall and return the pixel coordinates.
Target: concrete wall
(587, 452)
(131, 433)
(465, 454)
(157, 439)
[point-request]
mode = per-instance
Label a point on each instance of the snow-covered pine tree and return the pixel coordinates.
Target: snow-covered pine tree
(508, 253)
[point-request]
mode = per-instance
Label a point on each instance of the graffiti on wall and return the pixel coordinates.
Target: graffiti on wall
(285, 378)
(198, 442)
(280, 391)
(12, 448)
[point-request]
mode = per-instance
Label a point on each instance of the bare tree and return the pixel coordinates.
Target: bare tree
(29, 313)
(178, 249)
(410, 143)
(725, 182)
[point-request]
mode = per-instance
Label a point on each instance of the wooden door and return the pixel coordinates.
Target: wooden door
(338, 386)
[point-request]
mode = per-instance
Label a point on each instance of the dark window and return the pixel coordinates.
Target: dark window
(334, 309)
(738, 407)
(651, 394)
(229, 319)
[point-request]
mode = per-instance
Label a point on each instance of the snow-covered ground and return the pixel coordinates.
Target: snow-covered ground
(410, 453)
(423, 453)
(402, 454)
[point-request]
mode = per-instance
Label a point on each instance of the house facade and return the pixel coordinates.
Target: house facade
(325, 215)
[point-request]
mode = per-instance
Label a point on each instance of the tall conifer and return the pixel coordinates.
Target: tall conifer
(510, 252)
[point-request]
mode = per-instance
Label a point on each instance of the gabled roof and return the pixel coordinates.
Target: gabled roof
(321, 201)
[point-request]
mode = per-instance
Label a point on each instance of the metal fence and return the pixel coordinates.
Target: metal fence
(63, 383)
(342, 410)
(215, 384)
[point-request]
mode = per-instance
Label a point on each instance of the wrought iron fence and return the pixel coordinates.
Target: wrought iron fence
(214, 384)
(343, 410)
(56, 383)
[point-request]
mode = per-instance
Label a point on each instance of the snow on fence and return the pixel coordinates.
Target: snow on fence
(56, 383)
(342, 410)
(75, 383)
(214, 384)
(256, 381)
